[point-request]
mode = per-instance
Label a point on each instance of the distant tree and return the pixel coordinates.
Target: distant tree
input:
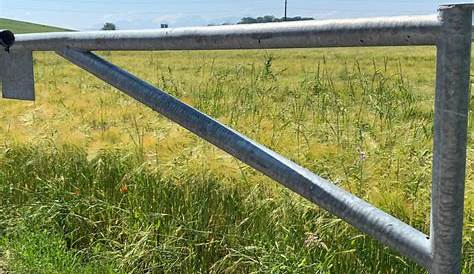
(266, 19)
(298, 18)
(247, 20)
(109, 26)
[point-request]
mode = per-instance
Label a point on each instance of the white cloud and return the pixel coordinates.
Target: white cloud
(108, 16)
(326, 15)
(169, 19)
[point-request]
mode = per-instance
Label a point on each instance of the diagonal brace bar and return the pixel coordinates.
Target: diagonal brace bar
(367, 218)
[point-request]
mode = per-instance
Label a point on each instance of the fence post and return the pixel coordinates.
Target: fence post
(450, 136)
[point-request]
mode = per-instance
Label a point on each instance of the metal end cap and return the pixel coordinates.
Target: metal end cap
(7, 39)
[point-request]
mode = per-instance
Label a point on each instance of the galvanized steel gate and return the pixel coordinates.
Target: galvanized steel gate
(450, 31)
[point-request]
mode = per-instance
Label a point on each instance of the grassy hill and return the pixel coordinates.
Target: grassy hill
(26, 27)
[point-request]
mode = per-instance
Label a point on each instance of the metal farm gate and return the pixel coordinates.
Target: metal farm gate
(449, 31)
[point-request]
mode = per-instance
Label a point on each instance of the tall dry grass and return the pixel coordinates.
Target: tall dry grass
(120, 189)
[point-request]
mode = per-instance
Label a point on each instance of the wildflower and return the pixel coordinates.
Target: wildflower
(362, 155)
(124, 189)
(313, 240)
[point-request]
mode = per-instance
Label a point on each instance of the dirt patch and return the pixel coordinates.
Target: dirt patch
(3, 269)
(3, 264)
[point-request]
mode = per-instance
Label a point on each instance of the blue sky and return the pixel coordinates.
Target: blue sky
(130, 14)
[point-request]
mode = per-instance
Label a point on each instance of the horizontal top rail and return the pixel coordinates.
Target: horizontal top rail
(382, 31)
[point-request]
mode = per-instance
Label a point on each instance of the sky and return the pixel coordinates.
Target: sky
(145, 14)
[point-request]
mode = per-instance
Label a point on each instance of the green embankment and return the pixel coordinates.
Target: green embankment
(26, 27)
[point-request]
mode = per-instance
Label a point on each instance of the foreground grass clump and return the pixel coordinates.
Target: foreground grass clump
(63, 213)
(113, 210)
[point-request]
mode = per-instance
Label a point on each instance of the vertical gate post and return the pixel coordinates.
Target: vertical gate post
(450, 136)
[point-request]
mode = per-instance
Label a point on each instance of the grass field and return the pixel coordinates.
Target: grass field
(26, 27)
(91, 181)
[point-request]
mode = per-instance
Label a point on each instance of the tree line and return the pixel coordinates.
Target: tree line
(271, 19)
(245, 20)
